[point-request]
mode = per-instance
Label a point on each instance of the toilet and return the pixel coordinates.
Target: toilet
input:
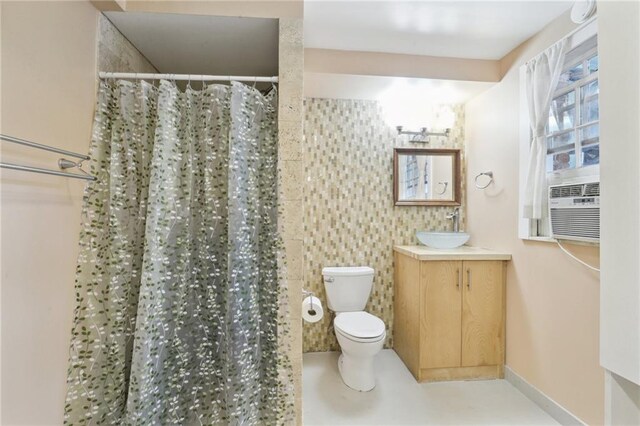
(360, 334)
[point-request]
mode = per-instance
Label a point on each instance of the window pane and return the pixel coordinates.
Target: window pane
(590, 134)
(592, 63)
(571, 76)
(591, 155)
(561, 142)
(562, 112)
(561, 160)
(589, 102)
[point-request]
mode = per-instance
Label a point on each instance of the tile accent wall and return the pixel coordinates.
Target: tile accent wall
(291, 68)
(349, 216)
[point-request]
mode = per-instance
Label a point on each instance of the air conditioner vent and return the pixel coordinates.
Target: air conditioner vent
(574, 211)
(567, 191)
(571, 223)
(592, 189)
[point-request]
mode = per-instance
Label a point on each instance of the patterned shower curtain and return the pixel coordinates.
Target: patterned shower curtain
(180, 312)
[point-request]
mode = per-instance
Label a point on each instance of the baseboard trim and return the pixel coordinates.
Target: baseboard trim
(555, 410)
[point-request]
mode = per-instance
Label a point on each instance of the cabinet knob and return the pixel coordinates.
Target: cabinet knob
(469, 278)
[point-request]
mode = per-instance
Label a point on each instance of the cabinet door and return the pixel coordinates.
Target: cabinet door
(440, 314)
(483, 313)
(406, 306)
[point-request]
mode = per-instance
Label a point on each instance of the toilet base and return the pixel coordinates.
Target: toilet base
(357, 372)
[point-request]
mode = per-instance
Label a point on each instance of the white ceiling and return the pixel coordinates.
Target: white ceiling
(198, 44)
(460, 29)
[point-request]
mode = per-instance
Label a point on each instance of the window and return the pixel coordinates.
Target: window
(573, 133)
(411, 177)
(573, 130)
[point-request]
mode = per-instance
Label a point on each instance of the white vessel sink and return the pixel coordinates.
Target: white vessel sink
(442, 240)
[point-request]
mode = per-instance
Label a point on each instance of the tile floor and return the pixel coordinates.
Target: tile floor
(399, 400)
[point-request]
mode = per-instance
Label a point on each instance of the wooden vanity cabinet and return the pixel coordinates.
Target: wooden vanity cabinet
(449, 317)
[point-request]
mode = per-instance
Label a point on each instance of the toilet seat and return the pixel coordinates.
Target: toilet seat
(360, 326)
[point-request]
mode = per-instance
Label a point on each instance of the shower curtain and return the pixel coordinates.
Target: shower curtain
(180, 314)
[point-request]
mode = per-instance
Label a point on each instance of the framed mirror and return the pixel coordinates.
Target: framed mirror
(426, 177)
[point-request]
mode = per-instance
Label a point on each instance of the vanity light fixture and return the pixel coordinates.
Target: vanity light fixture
(421, 135)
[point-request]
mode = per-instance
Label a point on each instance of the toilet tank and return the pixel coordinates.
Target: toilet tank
(347, 287)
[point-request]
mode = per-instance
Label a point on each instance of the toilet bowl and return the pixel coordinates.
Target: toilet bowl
(360, 335)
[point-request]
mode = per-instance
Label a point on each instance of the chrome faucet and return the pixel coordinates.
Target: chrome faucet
(455, 216)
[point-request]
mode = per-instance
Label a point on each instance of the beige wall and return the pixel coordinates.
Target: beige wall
(333, 61)
(349, 215)
(48, 95)
(552, 301)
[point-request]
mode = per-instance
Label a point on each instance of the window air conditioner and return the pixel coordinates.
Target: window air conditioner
(574, 211)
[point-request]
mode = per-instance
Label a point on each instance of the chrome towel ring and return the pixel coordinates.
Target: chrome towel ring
(489, 174)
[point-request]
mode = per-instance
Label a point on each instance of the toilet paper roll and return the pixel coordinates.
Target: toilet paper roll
(312, 309)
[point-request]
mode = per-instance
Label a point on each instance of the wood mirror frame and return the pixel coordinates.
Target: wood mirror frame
(456, 177)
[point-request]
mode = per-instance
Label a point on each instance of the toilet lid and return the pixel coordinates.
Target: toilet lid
(360, 324)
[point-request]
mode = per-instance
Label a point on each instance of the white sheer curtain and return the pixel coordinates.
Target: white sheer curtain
(542, 76)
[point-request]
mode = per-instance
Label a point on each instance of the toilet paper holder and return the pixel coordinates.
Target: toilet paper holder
(306, 293)
(312, 310)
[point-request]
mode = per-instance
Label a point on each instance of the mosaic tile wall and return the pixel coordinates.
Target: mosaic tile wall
(349, 216)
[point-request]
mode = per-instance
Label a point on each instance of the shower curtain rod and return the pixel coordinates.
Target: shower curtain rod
(186, 77)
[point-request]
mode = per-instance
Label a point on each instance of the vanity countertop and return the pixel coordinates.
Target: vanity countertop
(459, 253)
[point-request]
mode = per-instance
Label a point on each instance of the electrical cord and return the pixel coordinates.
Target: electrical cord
(593, 268)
